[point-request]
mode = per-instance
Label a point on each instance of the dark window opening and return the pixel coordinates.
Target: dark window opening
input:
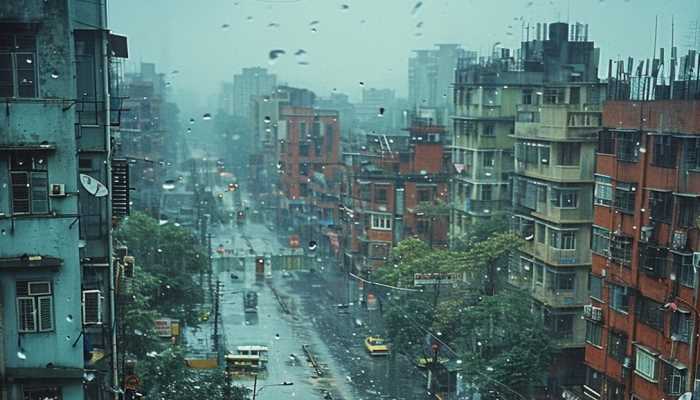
(627, 146)
(17, 65)
(617, 345)
(660, 206)
(664, 151)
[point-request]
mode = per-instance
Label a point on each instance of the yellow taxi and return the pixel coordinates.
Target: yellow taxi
(376, 346)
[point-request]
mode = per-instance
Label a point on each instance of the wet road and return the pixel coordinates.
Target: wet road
(333, 334)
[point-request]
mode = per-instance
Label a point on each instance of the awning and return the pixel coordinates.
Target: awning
(647, 349)
(692, 195)
(30, 262)
(672, 362)
(43, 146)
(45, 373)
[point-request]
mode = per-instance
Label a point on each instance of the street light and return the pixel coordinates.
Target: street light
(257, 389)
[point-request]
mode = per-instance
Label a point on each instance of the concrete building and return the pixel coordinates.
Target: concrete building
(379, 110)
(643, 321)
(251, 82)
(431, 74)
(309, 154)
(56, 265)
(393, 188)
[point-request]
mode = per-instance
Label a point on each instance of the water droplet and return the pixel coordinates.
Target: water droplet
(314, 30)
(21, 355)
(175, 72)
(29, 60)
(206, 116)
(169, 185)
(191, 121)
(416, 7)
(381, 112)
(249, 18)
(225, 26)
(160, 250)
(189, 130)
(277, 336)
(3, 232)
(273, 25)
(69, 317)
(362, 83)
(54, 75)
(275, 54)
(235, 137)
(344, 7)
(313, 245)
(300, 52)
(67, 338)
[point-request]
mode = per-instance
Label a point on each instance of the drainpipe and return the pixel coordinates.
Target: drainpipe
(108, 158)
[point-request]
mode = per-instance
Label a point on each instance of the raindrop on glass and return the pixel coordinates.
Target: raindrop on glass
(225, 26)
(344, 7)
(275, 54)
(416, 7)
(206, 116)
(69, 317)
(191, 120)
(21, 355)
(54, 75)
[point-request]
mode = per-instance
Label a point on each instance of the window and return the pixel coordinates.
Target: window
(541, 232)
(566, 281)
(489, 129)
(617, 345)
(681, 326)
(615, 390)
(645, 364)
(621, 249)
(561, 325)
(488, 158)
(17, 65)
(569, 153)
(687, 211)
(527, 96)
(30, 183)
(302, 129)
(303, 150)
(594, 380)
(41, 392)
(34, 306)
(595, 287)
(624, 196)
(92, 307)
(563, 198)
(674, 379)
(304, 169)
(425, 195)
(603, 194)
(593, 333)
(653, 260)
(664, 151)
(606, 142)
(650, 313)
(574, 95)
(539, 273)
(381, 221)
(600, 242)
(683, 265)
(380, 195)
(565, 240)
(692, 153)
(660, 206)
(627, 146)
(553, 96)
(619, 299)
(486, 192)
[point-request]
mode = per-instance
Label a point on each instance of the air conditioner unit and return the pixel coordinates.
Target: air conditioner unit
(596, 314)
(588, 311)
(646, 234)
(680, 240)
(57, 190)
(696, 259)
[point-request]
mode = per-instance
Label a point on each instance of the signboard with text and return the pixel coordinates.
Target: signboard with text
(436, 278)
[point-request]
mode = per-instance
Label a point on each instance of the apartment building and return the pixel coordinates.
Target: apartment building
(251, 82)
(395, 187)
(56, 265)
(642, 324)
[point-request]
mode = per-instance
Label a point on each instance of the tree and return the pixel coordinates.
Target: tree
(171, 256)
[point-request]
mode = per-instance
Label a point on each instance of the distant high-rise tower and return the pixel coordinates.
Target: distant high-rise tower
(251, 82)
(431, 74)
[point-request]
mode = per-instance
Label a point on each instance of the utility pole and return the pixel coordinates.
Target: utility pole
(210, 261)
(217, 294)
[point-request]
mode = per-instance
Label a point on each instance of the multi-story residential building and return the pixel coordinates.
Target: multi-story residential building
(395, 187)
(251, 82)
(309, 150)
(486, 98)
(555, 134)
(642, 325)
(379, 110)
(56, 265)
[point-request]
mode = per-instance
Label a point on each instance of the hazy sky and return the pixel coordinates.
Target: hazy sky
(365, 40)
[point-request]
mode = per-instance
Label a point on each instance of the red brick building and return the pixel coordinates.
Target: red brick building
(392, 191)
(309, 149)
(643, 323)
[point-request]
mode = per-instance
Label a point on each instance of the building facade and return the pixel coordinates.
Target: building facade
(251, 82)
(56, 265)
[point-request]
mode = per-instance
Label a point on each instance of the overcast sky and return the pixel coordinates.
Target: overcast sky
(365, 40)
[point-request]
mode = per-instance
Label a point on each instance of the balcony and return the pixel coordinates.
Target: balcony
(559, 122)
(557, 173)
(562, 257)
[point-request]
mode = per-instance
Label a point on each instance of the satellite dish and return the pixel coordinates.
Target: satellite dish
(686, 396)
(93, 186)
